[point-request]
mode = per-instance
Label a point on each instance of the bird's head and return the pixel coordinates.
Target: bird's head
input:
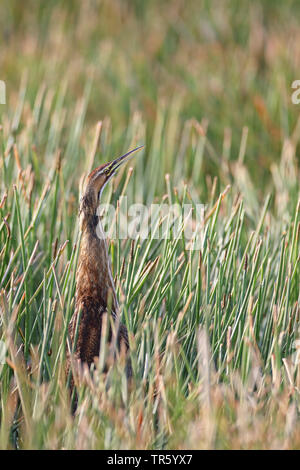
(98, 178)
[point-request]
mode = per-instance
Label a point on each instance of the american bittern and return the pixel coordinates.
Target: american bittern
(95, 289)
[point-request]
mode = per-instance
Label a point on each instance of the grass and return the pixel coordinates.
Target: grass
(213, 332)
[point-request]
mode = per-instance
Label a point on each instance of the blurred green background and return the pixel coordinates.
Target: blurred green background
(230, 63)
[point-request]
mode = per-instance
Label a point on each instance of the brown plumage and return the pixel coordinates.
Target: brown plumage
(95, 290)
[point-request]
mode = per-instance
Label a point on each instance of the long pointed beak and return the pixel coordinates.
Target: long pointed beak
(115, 164)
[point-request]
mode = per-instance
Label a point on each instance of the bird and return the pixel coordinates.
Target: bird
(95, 292)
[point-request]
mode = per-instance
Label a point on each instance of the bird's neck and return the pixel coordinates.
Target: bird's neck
(94, 279)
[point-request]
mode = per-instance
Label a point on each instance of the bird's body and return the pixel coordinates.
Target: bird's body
(95, 289)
